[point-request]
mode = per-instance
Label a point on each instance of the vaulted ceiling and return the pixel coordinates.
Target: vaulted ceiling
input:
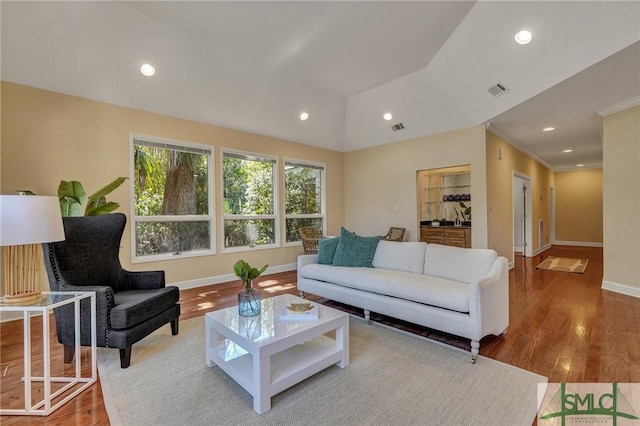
(255, 66)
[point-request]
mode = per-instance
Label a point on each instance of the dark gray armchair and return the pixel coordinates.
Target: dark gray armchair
(130, 305)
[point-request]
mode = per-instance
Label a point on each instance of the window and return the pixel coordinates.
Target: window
(172, 203)
(304, 197)
(249, 194)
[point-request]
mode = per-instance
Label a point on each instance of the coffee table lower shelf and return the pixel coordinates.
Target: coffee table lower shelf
(287, 368)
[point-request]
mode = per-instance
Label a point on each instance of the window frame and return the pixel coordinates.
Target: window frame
(275, 216)
(210, 217)
(323, 198)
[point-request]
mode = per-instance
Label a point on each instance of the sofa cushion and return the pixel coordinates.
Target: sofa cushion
(354, 250)
(434, 291)
(408, 257)
(459, 264)
(327, 250)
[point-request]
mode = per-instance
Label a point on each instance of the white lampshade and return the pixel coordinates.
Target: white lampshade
(30, 219)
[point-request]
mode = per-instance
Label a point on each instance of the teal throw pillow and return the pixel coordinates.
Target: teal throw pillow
(327, 250)
(355, 250)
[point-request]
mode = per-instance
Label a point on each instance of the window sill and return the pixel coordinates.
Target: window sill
(171, 256)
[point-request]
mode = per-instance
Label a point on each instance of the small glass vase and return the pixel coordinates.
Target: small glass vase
(249, 302)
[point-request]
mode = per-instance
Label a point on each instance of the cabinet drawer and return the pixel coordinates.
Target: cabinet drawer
(454, 233)
(433, 232)
(456, 242)
(447, 236)
(434, 240)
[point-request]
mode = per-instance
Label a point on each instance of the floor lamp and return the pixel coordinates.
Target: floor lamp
(26, 221)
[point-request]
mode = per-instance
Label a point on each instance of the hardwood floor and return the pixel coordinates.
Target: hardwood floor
(562, 325)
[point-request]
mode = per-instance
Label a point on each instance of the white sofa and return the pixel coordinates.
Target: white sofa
(460, 291)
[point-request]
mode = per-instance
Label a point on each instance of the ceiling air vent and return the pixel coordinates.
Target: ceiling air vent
(397, 127)
(498, 89)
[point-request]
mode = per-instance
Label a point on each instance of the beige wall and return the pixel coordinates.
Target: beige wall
(48, 136)
(579, 206)
(500, 174)
(621, 165)
(380, 182)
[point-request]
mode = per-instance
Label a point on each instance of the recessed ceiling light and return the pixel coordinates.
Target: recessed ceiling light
(548, 129)
(567, 150)
(304, 116)
(147, 70)
(387, 116)
(580, 165)
(523, 37)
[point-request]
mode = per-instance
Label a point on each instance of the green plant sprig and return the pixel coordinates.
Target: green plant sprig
(247, 273)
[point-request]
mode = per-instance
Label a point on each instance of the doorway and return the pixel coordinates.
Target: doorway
(522, 215)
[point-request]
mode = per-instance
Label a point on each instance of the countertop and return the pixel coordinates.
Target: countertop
(446, 227)
(449, 224)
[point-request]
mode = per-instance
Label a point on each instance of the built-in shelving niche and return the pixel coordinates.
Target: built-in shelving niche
(440, 192)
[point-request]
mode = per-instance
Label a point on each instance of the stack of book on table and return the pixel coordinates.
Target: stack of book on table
(306, 311)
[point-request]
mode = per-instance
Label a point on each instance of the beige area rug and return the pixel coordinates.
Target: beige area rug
(564, 264)
(394, 378)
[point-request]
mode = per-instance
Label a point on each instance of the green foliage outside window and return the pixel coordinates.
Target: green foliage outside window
(303, 196)
(175, 182)
(168, 182)
(248, 190)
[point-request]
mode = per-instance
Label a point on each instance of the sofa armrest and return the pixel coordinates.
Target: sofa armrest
(144, 280)
(306, 259)
(489, 299)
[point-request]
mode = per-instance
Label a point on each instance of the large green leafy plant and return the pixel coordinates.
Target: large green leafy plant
(246, 273)
(72, 195)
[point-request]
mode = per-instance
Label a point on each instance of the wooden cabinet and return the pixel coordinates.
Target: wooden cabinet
(449, 236)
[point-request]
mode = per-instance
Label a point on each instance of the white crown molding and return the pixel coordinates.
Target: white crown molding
(629, 103)
(517, 146)
(576, 169)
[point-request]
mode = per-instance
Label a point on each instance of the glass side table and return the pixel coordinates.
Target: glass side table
(74, 384)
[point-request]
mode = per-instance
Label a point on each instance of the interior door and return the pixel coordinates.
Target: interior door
(522, 215)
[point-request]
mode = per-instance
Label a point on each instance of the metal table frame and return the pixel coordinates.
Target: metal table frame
(45, 306)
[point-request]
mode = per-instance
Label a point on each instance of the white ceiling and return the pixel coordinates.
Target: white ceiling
(254, 66)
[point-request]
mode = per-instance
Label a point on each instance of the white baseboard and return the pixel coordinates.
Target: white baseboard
(621, 288)
(541, 249)
(218, 279)
(577, 243)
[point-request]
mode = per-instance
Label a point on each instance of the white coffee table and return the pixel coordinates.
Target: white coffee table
(266, 356)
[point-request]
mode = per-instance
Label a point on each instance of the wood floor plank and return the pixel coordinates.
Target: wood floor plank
(562, 325)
